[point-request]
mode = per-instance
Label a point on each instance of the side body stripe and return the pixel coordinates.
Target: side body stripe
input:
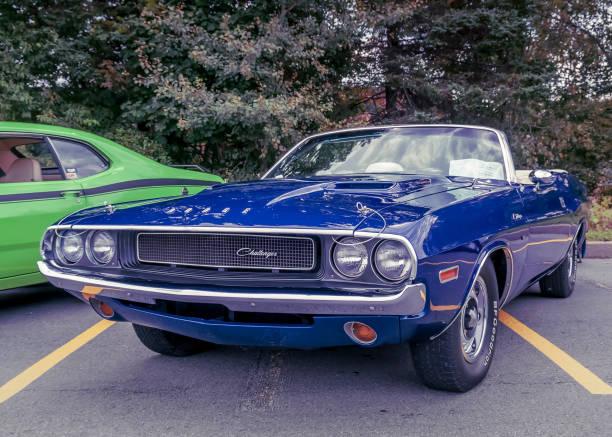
(141, 183)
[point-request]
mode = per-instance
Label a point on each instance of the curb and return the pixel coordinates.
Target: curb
(598, 249)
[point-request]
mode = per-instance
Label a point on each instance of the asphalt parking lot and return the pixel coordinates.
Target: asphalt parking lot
(113, 385)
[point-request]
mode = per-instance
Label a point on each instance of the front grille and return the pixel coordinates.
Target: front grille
(228, 251)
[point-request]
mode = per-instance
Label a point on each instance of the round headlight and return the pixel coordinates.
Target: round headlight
(71, 246)
(102, 247)
(392, 260)
(350, 257)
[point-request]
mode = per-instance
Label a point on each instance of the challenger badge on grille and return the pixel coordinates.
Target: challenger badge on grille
(247, 251)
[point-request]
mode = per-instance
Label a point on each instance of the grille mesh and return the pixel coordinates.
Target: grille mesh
(225, 250)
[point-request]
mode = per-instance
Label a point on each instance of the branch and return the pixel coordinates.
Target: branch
(594, 39)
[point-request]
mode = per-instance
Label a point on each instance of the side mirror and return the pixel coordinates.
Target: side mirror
(541, 177)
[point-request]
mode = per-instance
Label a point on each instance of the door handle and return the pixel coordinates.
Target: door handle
(76, 194)
(72, 193)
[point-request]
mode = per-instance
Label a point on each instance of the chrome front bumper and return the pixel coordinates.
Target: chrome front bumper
(410, 301)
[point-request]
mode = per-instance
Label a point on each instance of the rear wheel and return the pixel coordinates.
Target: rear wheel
(169, 343)
(560, 283)
(460, 358)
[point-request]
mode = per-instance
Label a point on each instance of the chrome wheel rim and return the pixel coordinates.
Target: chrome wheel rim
(474, 316)
(571, 257)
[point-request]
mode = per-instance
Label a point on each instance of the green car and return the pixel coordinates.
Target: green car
(48, 172)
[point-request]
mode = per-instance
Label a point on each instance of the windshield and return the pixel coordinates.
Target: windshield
(443, 151)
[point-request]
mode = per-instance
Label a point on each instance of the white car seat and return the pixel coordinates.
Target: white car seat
(23, 170)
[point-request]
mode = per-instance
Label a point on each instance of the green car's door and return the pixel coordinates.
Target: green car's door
(27, 208)
(107, 181)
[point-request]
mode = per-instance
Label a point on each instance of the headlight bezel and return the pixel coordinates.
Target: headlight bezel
(52, 244)
(347, 242)
(90, 243)
(59, 247)
(408, 269)
(372, 273)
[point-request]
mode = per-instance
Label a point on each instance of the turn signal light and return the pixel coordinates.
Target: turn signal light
(360, 332)
(101, 308)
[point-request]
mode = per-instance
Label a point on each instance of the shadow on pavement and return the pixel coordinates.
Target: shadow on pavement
(35, 294)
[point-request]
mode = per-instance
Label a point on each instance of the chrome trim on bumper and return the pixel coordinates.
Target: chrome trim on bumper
(410, 301)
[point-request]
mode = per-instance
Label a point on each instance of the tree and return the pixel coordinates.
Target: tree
(236, 92)
(231, 85)
(517, 65)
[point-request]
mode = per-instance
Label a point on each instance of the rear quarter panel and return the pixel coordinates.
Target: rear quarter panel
(132, 176)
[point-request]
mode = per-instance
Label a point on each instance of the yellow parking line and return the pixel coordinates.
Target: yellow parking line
(36, 370)
(573, 368)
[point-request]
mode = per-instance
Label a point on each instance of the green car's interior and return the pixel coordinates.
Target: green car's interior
(19, 163)
(32, 160)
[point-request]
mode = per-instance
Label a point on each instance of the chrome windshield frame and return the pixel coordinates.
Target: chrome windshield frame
(503, 141)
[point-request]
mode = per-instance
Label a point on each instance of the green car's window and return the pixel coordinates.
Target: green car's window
(78, 160)
(38, 151)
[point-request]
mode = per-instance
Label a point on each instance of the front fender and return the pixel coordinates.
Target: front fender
(443, 316)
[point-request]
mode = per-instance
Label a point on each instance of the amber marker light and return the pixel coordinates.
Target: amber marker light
(360, 332)
(106, 310)
(449, 274)
(101, 308)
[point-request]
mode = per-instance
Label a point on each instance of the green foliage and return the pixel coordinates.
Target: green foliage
(538, 70)
(600, 224)
(239, 94)
(141, 143)
(231, 85)
(574, 135)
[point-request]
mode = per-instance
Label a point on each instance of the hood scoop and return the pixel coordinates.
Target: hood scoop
(387, 188)
(356, 185)
(378, 186)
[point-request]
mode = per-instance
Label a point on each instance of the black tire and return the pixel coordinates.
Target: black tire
(561, 282)
(169, 343)
(442, 363)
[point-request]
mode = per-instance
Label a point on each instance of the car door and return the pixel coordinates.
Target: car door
(549, 232)
(27, 208)
(107, 181)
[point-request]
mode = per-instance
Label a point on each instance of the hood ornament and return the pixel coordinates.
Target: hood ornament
(109, 208)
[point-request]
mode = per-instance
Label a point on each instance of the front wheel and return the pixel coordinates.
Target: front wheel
(560, 283)
(460, 358)
(169, 343)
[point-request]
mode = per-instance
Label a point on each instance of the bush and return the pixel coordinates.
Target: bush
(600, 224)
(140, 143)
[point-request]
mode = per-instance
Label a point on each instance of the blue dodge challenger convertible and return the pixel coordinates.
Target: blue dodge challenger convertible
(367, 236)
